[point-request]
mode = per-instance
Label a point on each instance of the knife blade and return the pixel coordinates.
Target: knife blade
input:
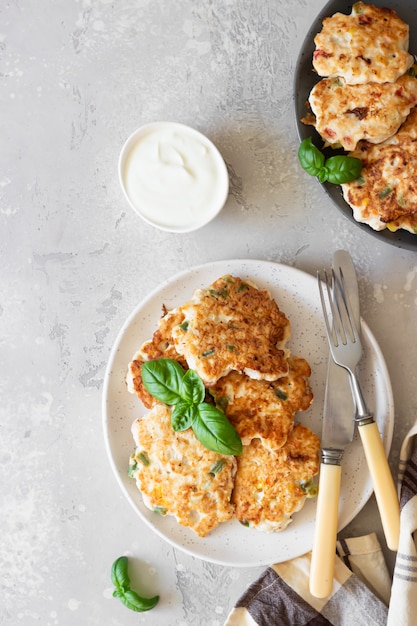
(337, 432)
(339, 408)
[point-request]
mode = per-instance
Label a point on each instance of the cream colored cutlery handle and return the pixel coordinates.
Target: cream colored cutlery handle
(383, 483)
(325, 532)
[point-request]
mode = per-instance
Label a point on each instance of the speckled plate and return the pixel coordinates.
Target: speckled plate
(297, 295)
(304, 80)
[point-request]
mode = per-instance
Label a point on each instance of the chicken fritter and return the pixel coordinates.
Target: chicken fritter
(368, 46)
(346, 114)
(270, 486)
(160, 346)
(385, 194)
(233, 325)
(264, 410)
(178, 476)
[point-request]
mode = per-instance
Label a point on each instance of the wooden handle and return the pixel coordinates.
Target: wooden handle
(383, 483)
(324, 544)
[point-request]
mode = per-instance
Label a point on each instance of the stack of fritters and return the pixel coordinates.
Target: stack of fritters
(367, 95)
(234, 336)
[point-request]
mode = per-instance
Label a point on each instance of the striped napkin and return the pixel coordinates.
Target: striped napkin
(403, 604)
(281, 595)
(362, 593)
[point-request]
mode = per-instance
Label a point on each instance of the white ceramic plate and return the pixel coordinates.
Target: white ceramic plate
(305, 79)
(297, 295)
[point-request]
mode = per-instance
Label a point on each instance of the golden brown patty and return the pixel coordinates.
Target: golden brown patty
(269, 485)
(160, 346)
(262, 409)
(345, 114)
(178, 476)
(369, 45)
(385, 195)
(233, 325)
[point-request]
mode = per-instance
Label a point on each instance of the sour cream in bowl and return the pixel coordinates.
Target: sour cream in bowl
(173, 176)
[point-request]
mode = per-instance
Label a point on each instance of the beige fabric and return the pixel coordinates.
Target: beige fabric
(403, 605)
(296, 573)
(365, 558)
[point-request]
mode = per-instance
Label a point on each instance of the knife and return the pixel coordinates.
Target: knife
(337, 432)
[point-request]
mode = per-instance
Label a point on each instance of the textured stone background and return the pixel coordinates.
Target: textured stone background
(76, 78)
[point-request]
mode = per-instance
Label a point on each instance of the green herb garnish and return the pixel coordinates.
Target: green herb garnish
(168, 382)
(223, 293)
(280, 394)
(217, 467)
(143, 458)
(160, 510)
(336, 169)
(385, 193)
(309, 487)
(130, 598)
(132, 469)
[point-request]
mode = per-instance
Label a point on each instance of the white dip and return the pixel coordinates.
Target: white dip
(174, 176)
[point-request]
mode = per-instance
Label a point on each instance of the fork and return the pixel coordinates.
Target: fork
(346, 350)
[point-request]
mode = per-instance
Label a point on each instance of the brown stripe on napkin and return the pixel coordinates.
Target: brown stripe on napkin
(269, 600)
(403, 603)
(409, 480)
(406, 567)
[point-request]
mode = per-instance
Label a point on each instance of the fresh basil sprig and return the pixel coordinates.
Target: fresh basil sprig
(336, 169)
(130, 598)
(168, 382)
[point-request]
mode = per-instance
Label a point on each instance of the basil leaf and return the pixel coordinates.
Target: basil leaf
(183, 415)
(323, 174)
(130, 598)
(136, 603)
(163, 379)
(193, 390)
(215, 432)
(342, 169)
(167, 381)
(310, 157)
(337, 169)
(119, 575)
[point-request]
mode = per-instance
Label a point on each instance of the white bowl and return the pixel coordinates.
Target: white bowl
(173, 176)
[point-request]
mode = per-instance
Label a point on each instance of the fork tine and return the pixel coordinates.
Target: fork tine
(322, 278)
(338, 305)
(335, 331)
(344, 307)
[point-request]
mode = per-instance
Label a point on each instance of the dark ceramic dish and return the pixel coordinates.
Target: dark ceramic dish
(304, 80)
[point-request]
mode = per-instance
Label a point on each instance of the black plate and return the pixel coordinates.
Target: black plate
(304, 80)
